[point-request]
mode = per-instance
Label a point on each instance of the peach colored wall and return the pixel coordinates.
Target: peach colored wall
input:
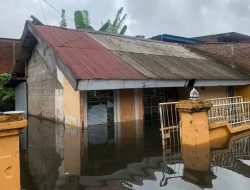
(131, 113)
(205, 93)
(73, 105)
(127, 105)
(127, 113)
(73, 113)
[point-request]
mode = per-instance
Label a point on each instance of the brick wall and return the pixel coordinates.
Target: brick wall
(6, 54)
(237, 54)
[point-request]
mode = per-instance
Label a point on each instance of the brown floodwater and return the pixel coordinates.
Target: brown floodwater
(103, 157)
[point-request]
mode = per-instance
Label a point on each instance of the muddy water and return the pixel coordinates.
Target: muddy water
(123, 156)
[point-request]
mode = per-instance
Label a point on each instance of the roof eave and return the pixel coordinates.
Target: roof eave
(152, 83)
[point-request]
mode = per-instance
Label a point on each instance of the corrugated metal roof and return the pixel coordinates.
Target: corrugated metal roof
(138, 45)
(85, 57)
(91, 55)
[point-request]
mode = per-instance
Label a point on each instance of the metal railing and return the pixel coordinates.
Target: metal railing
(170, 128)
(235, 110)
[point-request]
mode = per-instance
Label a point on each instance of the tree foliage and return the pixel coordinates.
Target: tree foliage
(82, 19)
(7, 95)
(63, 22)
(116, 27)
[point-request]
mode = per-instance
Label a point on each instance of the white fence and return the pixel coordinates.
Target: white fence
(235, 110)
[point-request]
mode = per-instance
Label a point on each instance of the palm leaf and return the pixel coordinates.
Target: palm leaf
(117, 20)
(121, 23)
(106, 27)
(123, 30)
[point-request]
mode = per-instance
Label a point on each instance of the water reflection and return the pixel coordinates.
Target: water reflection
(204, 167)
(106, 157)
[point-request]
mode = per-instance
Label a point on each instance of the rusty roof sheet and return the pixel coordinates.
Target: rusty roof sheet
(93, 55)
(85, 57)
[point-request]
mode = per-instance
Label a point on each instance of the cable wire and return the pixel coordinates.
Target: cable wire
(57, 10)
(43, 12)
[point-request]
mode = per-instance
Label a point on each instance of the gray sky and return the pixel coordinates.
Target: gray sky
(145, 17)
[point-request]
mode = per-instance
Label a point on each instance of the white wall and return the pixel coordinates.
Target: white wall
(21, 105)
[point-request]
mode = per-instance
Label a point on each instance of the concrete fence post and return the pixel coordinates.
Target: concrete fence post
(195, 134)
(11, 125)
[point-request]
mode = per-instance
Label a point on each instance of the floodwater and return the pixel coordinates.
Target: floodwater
(126, 156)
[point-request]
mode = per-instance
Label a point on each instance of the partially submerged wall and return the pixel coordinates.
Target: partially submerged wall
(73, 118)
(131, 113)
(45, 116)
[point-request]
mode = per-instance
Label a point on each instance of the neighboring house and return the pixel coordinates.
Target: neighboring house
(9, 55)
(235, 55)
(79, 79)
(9, 48)
(176, 39)
(230, 37)
(224, 38)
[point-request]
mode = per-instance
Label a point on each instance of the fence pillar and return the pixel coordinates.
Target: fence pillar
(10, 128)
(195, 134)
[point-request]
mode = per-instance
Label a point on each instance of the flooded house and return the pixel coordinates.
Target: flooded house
(93, 97)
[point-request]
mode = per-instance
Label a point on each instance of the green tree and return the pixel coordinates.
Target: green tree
(63, 22)
(7, 95)
(116, 27)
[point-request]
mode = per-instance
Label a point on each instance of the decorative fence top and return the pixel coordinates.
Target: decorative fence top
(235, 110)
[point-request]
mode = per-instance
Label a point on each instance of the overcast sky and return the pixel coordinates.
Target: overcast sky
(145, 17)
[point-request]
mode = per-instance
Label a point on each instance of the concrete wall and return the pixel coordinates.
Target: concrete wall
(45, 116)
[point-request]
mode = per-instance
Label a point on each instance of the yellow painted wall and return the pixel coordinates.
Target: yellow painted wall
(9, 152)
(243, 91)
(9, 163)
(205, 93)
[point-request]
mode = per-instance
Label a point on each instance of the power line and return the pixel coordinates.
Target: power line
(57, 10)
(43, 11)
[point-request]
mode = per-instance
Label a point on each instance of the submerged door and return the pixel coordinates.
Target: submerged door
(100, 116)
(100, 130)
